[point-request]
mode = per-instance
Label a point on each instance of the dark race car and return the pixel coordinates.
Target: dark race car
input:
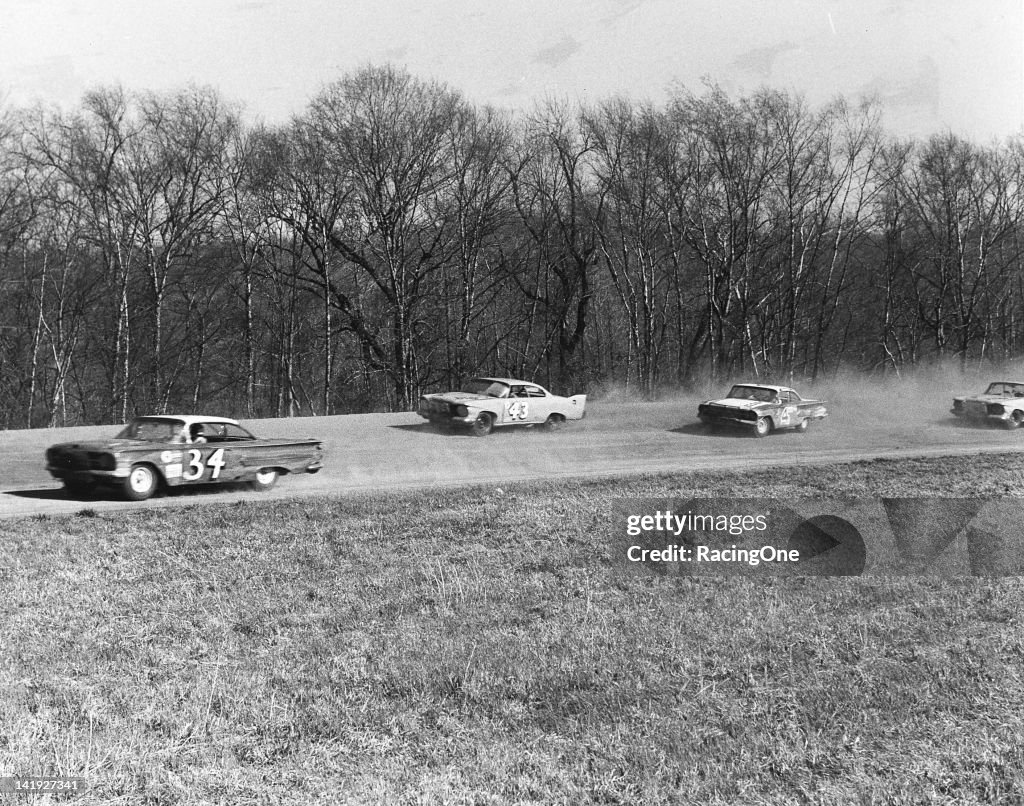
(762, 408)
(1001, 403)
(165, 450)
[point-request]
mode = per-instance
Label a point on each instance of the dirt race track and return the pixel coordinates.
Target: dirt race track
(376, 452)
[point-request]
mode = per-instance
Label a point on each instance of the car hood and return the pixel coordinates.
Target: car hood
(739, 403)
(1008, 401)
(105, 445)
(458, 397)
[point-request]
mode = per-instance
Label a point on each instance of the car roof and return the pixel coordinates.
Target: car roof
(1016, 383)
(508, 381)
(767, 386)
(187, 419)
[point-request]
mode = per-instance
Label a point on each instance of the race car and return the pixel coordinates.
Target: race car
(762, 408)
(175, 450)
(1002, 403)
(484, 404)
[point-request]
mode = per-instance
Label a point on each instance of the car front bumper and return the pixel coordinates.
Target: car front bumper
(981, 417)
(709, 419)
(89, 475)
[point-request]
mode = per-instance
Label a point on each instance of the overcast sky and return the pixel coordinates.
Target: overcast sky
(936, 64)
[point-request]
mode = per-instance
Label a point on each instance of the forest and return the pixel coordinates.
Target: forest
(159, 253)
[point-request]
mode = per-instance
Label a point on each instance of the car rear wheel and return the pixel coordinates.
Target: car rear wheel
(140, 484)
(554, 422)
(762, 427)
(483, 425)
(265, 479)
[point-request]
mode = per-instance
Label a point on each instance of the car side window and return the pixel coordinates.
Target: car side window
(234, 433)
(534, 391)
(517, 391)
(211, 432)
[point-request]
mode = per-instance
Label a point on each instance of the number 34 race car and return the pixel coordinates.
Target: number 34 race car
(179, 450)
(486, 403)
(762, 408)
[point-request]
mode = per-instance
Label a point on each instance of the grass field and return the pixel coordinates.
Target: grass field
(480, 646)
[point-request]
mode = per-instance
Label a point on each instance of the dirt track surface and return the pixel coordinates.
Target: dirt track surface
(377, 452)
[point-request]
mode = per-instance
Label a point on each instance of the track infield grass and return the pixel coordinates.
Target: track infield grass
(479, 646)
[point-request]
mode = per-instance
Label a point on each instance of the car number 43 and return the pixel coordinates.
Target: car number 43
(517, 409)
(196, 466)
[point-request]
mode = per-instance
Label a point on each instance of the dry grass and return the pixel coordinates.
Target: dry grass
(478, 647)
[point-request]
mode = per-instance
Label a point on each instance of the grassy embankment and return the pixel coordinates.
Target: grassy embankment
(481, 646)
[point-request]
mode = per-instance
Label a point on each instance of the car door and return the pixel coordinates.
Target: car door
(541, 404)
(516, 407)
(788, 410)
(204, 460)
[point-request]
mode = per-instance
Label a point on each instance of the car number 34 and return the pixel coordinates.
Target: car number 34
(196, 466)
(517, 409)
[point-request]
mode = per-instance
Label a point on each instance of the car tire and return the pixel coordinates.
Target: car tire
(554, 422)
(762, 427)
(483, 425)
(804, 425)
(1015, 420)
(141, 483)
(265, 479)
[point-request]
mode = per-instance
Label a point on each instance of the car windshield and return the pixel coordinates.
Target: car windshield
(752, 393)
(152, 429)
(1006, 389)
(483, 386)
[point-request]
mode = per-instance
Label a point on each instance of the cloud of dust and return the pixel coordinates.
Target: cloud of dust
(896, 399)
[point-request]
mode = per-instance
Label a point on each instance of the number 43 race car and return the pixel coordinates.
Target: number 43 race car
(487, 403)
(170, 451)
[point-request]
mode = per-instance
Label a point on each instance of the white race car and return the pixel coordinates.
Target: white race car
(484, 404)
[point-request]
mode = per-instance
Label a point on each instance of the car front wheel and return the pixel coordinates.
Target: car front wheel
(762, 427)
(483, 425)
(804, 425)
(265, 479)
(140, 484)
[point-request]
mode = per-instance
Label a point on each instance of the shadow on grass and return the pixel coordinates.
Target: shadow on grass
(702, 430)
(731, 432)
(456, 431)
(110, 494)
(961, 424)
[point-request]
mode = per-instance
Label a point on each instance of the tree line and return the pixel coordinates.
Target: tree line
(158, 253)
